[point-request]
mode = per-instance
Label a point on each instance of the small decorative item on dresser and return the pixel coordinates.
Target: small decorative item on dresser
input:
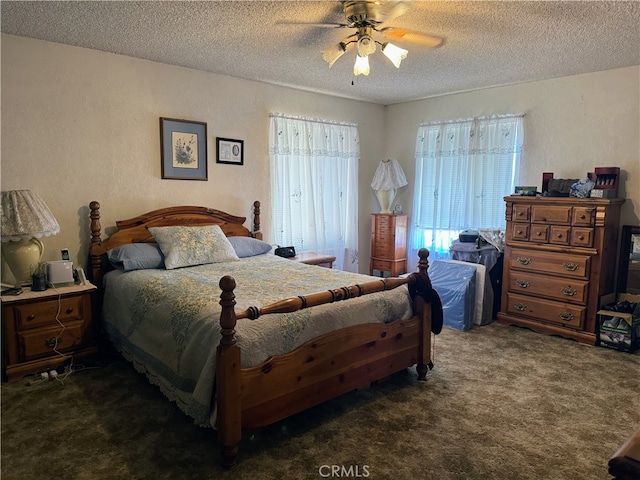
(606, 182)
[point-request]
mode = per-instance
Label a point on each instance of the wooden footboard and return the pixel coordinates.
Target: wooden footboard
(321, 369)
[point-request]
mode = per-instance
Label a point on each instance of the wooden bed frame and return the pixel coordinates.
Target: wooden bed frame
(321, 369)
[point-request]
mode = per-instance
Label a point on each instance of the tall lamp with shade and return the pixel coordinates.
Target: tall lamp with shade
(388, 178)
(25, 219)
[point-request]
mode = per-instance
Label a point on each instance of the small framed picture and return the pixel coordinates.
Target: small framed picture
(183, 147)
(229, 151)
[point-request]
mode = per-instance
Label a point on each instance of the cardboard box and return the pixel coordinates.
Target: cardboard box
(619, 330)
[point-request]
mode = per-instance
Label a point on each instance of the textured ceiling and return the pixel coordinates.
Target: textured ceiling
(486, 43)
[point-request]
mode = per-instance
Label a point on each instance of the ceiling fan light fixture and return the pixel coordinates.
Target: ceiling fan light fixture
(394, 53)
(361, 66)
(330, 55)
(366, 46)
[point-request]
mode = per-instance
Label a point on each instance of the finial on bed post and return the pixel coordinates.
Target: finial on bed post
(96, 234)
(228, 315)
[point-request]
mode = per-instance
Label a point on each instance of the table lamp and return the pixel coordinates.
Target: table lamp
(25, 219)
(386, 181)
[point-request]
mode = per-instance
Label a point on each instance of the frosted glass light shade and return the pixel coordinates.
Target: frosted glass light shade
(361, 66)
(331, 54)
(394, 53)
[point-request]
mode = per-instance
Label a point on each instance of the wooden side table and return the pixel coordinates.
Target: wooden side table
(313, 258)
(388, 244)
(42, 330)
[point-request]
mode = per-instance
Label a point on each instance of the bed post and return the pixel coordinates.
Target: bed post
(96, 232)
(228, 401)
(424, 309)
(257, 233)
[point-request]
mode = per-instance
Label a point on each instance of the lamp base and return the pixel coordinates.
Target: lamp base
(385, 198)
(23, 258)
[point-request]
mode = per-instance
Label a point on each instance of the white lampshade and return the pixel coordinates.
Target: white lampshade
(361, 66)
(388, 178)
(25, 218)
(394, 53)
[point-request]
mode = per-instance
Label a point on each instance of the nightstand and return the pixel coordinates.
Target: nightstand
(313, 258)
(388, 244)
(42, 330)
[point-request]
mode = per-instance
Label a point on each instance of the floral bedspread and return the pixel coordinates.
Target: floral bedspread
(166, 322)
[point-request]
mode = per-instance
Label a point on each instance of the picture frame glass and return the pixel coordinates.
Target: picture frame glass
(229, 151)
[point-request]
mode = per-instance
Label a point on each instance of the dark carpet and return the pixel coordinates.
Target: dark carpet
(501, 403)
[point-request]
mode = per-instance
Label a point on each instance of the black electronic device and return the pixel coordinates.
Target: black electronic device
(65, 253)
(286, 252)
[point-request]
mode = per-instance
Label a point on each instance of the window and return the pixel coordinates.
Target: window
(463, 171)
(314, 187)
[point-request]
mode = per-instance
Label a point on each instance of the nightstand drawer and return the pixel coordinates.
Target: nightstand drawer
(44, 313)
(42, 342)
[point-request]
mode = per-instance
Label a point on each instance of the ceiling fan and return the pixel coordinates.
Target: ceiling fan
(367, 17)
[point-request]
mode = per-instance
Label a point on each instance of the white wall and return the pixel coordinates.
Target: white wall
(81, 125)
(572, 125)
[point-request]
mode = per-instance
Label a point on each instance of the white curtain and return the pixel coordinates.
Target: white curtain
(463, 170)
(314, 186)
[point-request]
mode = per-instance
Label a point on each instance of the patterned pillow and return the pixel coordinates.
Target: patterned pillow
(186, 246)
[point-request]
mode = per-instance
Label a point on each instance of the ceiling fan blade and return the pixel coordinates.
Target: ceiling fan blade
(322, 25)
(405, 35)
(390, 10)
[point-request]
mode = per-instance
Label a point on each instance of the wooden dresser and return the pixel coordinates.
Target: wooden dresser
(560, 257)
(388, 244)
(43, 330)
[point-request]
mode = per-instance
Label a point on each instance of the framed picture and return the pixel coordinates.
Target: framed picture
(229, 151)
(183, 147)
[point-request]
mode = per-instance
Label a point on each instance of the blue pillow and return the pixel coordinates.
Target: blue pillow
(248, 246)
(136, 256)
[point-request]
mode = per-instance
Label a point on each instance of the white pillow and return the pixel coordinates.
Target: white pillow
(184, 246)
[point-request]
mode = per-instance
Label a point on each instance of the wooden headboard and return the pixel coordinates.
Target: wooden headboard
(136, 230)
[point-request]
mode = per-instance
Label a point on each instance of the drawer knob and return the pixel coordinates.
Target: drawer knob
(523, 260)
(559, 235)
(580, 237)
(519, 306)
(583, 216)
(519, 232)
(69, 310)
(31, 317)
(53, 342)
(569, 292)
(522, 283)
(538, 233)
(572, 267)
(566, 316)
(520, 214)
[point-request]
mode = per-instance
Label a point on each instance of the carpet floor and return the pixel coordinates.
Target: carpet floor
(501, 403)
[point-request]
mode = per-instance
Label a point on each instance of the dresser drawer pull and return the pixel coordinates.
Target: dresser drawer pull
(520, 306)
(522, 283)
(572, 267)
(69, 310)
(523, 260)
(566, 316)
(31, 317)
(559, 235)
(583, 216)
(580, 237)
(569, 292)
(539, 233)
(53, 342)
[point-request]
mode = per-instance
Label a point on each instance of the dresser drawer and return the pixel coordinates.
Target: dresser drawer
(42, 342)
(559, 234)
(583, 216)
(518, 231)
(562, 289)
(38, 314)
(582, 237)
(547, 310)
(539, 233)
(521, 213)
(557, 215)
(565, 264)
